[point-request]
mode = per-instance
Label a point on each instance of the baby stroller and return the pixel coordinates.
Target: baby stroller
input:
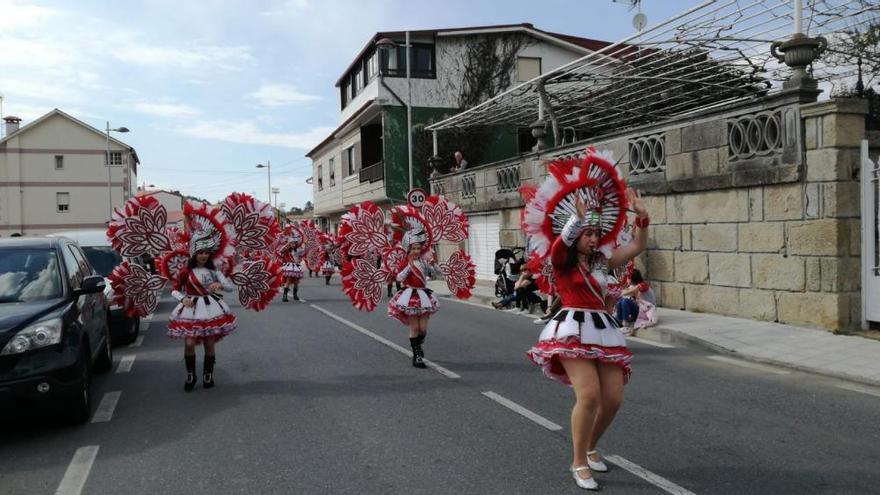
(508, 264)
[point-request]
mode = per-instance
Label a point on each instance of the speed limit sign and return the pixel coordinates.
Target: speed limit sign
(416, 197)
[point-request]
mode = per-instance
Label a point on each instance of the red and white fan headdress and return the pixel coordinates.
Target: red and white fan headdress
(364, 232)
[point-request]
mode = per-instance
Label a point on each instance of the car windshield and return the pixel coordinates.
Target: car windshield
(29, 274)
(102, 258)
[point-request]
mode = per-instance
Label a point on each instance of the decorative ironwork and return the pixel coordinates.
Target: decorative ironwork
(469, 186)
(647, 154)
(758, 134)
(508, 178)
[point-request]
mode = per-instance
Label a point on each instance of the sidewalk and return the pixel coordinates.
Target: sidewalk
(805, 349)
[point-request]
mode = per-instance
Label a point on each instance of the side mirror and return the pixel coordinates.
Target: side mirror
(90, 285)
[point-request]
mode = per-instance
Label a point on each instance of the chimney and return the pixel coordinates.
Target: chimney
(11, 124)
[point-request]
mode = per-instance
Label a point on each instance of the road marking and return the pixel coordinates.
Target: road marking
(654, 479)
(513, 406)
(436, 367)
(462, 301)
(78, 471)
(650, 342)
(125, 364)
(864, 389)
(746, 364)
(104, 413)
(137, 342)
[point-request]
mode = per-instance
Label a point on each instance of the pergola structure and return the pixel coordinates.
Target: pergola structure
(714, 54)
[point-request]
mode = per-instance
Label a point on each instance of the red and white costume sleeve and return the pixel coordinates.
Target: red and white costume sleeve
(209, 316)
(415, 299)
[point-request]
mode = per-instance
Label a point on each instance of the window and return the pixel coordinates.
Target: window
(349, 161)
(59, 162)
(74, 276)
(63, 201)
(372, 66)
(423, 61)
(527, 68)
(332, 166)
(393, 61)
(346, 94)
(115, 158)
(320, 177)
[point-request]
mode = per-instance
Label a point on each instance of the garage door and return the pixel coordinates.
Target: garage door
(484, 240)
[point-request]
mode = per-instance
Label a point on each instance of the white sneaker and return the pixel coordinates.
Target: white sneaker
(596, 466)
(540, 321)
(586, 484)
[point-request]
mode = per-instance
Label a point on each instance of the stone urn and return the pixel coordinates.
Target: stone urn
(798, 52)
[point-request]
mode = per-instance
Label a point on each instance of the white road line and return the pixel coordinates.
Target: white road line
(137, 342)
(436, 367)
(746, 364)
(78, 471)
(125, 364)
(513, 406)
(651, 343)
(469, 303)
(104, 413)
(654, 479)
(864, 389)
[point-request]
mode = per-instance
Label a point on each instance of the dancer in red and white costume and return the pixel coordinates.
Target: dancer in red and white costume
(291, 260)
(414, 305)
(200, 264)
(407, 256)
(582, 345)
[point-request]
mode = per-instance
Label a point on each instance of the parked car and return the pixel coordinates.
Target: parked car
(104, 259)
(53, 324)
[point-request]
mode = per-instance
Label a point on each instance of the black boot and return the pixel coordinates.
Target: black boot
(418, 355)
(296, 293)
(208, 377)
(190, 383)
(327, 281)
(284, 297)
(543, 305)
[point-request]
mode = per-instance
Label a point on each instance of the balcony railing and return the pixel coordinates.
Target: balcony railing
(372, 173)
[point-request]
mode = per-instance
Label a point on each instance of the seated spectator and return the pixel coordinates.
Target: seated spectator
(460, 163)
(524, 294)
(636, 309)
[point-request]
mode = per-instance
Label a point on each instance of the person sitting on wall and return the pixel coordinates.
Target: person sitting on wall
(460, 163)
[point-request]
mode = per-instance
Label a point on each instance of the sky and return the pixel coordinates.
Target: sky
(209, 89)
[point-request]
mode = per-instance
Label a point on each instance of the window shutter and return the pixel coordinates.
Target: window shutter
(357, 156)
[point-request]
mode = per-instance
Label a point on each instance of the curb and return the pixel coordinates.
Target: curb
(672, 336)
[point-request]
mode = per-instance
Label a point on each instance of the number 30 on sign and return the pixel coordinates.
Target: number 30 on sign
(416, 197)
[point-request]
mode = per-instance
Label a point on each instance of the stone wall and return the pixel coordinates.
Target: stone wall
(755, 207)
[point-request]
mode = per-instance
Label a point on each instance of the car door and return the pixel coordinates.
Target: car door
(74, 281)
(93, 308)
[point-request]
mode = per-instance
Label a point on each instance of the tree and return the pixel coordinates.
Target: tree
(308, 206)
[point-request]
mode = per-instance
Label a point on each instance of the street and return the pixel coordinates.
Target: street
(314, 397)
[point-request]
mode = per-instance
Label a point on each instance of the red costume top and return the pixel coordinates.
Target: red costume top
(577, 287)
(413, 274)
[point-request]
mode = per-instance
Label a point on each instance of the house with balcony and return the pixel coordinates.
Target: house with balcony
(366, 156)
(59, 173)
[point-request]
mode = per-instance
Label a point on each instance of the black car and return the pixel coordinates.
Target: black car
(53, 325)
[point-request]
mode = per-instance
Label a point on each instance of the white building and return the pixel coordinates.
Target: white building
(366, 157)
(54, 175)
(173, 203)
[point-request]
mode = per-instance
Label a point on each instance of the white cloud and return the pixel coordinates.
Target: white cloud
(166, 110)
(276, 95)
(17, 16)
(202, 58)
(247, 133)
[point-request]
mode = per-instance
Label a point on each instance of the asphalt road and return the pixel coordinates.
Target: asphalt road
(315, 398)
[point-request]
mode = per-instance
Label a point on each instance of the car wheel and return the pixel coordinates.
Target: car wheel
(132, 328)
(104, 363)
(80, 406)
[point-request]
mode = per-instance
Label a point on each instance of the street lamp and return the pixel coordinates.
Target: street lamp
(385, 44)
(268, 167)
(109, 186)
